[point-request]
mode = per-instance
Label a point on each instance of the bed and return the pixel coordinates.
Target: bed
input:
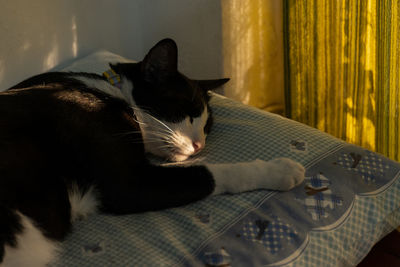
(348, 202)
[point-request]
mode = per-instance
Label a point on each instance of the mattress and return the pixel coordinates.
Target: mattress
(348, 201)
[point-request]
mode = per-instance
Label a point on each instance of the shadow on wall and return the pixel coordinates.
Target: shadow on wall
(195, 25)
(39, 35)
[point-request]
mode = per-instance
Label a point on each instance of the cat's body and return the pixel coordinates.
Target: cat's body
(72, 144)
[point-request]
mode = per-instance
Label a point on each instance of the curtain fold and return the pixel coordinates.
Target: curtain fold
(342, 69)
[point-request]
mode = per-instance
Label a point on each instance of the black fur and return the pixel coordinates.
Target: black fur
(11, 226)
(65, 78)
(56, 132)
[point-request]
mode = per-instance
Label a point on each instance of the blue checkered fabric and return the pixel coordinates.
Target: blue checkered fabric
(370, 167)
(318, 181)
(218, 258)
(318, 204)
(269, 235)
(320, 197)
(349, 200)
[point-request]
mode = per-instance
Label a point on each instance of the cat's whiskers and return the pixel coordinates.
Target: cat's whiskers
(165, 146)
(159, 134)
(189, 161)
(152, 137)
(140, 141)
(156, 130)
(162, 128)
(127, 133)
(153, 131)
(164, 140)
(146, 114)
(164, 134)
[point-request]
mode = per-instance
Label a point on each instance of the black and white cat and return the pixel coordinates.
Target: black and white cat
(72, 144)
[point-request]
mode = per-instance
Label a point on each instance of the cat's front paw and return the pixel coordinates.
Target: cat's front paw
(283, 174)
(279, 174)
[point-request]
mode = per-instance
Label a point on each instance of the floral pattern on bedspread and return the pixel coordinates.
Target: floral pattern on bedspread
(288, 229)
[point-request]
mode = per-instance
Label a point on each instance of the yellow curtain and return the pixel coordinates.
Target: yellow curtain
(342, 69)
(253, 52)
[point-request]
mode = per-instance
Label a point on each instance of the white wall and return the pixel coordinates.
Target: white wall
(36, 36)
(196, 26)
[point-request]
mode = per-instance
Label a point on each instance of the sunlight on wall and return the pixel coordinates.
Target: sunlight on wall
(237, 38)
(74, 37)
(253, 52)
(26, 46)
(51, 60)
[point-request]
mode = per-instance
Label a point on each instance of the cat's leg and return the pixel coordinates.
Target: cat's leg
(34, 215)
(156, 187)
(22, 243)
(278, 174)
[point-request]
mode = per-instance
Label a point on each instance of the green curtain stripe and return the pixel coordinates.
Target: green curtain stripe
(288, 102)
(342, 69)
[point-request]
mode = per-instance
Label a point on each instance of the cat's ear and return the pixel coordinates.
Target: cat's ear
(161, 62)
(211, 84)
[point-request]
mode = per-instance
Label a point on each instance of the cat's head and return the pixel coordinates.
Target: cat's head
(172, 110)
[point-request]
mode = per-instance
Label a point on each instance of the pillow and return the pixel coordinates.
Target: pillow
(349, 200)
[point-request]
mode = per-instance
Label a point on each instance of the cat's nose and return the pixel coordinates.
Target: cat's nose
(197, 146)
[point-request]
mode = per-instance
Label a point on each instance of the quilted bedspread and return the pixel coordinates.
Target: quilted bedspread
(348, 201)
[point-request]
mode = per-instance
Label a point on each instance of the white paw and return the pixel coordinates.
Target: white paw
(282, 173)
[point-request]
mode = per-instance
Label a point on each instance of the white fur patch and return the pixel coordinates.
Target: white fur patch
(82, 204)
(33, 249)
(278, 174)
(101, 85)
